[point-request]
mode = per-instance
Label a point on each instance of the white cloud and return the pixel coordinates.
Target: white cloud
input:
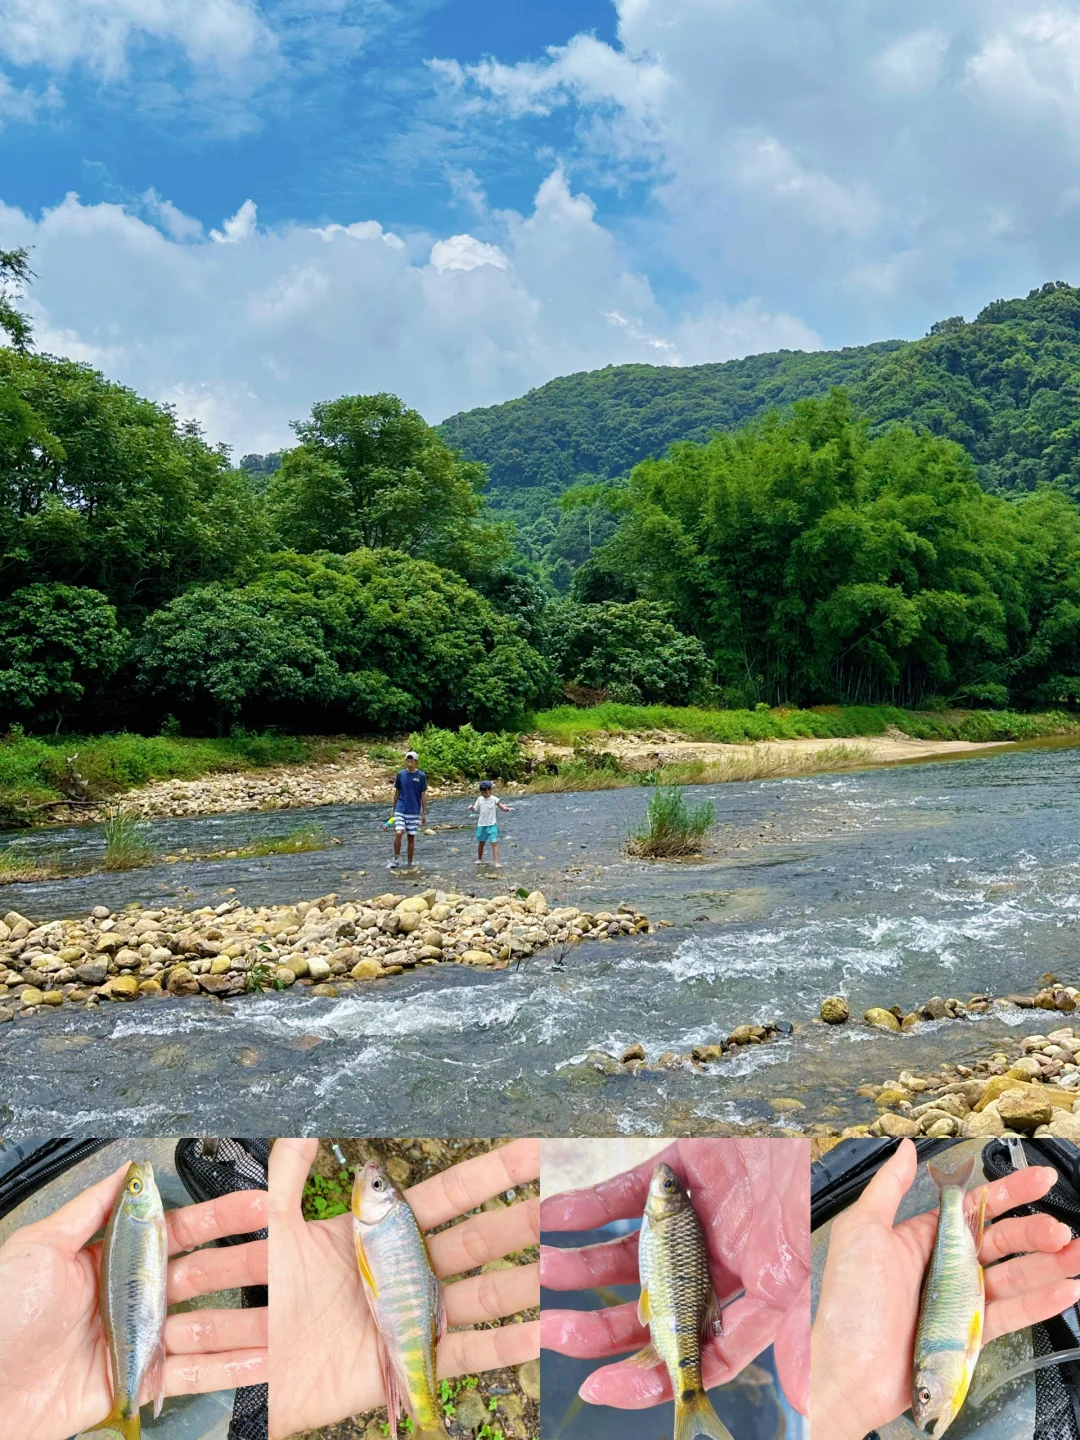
(245, 337)
(465, 252)
(239, 227)
(171, 219)
(913, 62)
(102, 34)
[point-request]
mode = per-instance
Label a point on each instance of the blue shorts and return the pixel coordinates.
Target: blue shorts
(406, 824)
(487, 832)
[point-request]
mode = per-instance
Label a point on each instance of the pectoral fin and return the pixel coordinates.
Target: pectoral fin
(643, 1311)
(712, 1323)
(977, 1220)
(645, 1359)
(365, 1268)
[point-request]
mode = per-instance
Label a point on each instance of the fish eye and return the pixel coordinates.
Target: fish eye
(136, 1186)
(376, 1183)
(924, 1395)
(669, 1185)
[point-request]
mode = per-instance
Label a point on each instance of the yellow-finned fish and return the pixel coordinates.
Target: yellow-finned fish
(678, 1302)
(132, 1300)
(405, 1298)
(949, 1333)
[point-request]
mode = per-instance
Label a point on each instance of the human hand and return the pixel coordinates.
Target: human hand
(324, 1336)
(54, 1361)
(862, 1349)
(752, 1198)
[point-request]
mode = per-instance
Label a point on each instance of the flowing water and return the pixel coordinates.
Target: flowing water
(888, 885)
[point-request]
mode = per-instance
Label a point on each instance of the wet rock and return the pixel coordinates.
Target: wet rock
(181, 981)
(746, 1035)
(472, 1412)
(6, 1014)
(123, 987)
(30, 995)
(834, 1010)
(529, 1378)
(889, 1096)
(996, 1087)
(934, 1009)
(633, 1052)
(784, 1027)
(881, 1019)
(329, 992)
(476, 957)
(148, 988)
(602, 1062)
(285, 975)
(53, 997)
(910, 1020)
(786, 1106)
(1026, 1068)
(93, 973)
(1024, 1002)
(215, 984)
(318, 969)
(707, 1054)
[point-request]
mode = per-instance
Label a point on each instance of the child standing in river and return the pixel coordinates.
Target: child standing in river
(487, 806)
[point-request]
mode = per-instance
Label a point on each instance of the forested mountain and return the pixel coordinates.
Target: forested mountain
(1005, 385)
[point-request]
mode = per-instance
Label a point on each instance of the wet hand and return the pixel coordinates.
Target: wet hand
(864, 1332)
(54, 1361)
(324, 1338)
(752, 1197)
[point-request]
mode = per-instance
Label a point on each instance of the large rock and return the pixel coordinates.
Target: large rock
(181, 981)
(934, 1009)
(476, 957)
(408, 921)
(123, 987)
(1023, 1111)
(997, 1085)
(896, 1126)
(1065, 1127)
(834, 1010)
(31, 995)
(366, 969)
(318, 968)
(433, 937)
(983, 1124)
(881, 1019)
(92, 974)
(535, 903)
(415, 903)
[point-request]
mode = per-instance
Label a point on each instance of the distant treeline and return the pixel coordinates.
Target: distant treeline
(360, 581)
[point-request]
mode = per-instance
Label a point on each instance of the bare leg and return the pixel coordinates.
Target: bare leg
(495, 852)
(479, 851)
(397, 845)
(412, 847)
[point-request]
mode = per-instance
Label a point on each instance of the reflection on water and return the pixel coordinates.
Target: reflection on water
(888, 885)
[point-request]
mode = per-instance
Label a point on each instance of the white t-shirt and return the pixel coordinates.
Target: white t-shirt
(487, 809)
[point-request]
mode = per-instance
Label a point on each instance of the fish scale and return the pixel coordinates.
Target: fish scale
(678, 1301)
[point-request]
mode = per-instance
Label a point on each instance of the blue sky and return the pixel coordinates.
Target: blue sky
(243, 206)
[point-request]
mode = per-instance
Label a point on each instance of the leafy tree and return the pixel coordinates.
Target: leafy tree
(14, 274)
(59, 643)
(371, 473)
(818, 563)
(102, 488)
(632, 652)
(373, 638)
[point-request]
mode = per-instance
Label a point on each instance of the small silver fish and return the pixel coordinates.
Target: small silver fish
(405, 1299)
(133, 1301)
(678, 1302)
(949, 1333)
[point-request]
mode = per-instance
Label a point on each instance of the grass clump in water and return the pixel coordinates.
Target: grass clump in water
(673, 828)
(16, 866)
(126, 847)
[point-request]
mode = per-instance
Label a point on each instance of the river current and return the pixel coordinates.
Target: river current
(888, 885)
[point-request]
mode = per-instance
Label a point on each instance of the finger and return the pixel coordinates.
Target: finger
(1005, 1316)
(493, 1295)
(463, 1187)
(201, 1272)
(593, 1334)
(619, 1198)
(290, 1163)
(749, 1327)
(1031, 1272)
(75, 1223)
(613, 1263)
(485, 1237)
(199, 1374)
(791, 1347)
(1023, 1233)
(1019, 1188)
(880, 1200)
(204, 1332)
(465, 1352)
(238, 1213)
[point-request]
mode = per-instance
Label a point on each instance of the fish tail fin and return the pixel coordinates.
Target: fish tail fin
(114, 1427)
(954, 1178)
(696, 1416)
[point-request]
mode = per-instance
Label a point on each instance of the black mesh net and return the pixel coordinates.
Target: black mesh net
(210, 1168)
(1057, 1388)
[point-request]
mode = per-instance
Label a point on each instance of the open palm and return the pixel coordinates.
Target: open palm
(864, 1330)
(752, 1197)
(54, 1363)
(323, 1337)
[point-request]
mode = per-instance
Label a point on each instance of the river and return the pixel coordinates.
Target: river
(888, 885)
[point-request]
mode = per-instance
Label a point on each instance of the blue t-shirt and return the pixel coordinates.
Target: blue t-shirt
(411, 785)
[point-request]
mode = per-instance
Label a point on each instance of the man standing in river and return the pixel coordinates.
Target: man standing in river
(410, 807)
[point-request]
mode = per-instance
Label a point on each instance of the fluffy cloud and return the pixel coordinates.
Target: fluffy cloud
(244, 329)
(101, 34)
(868, 168)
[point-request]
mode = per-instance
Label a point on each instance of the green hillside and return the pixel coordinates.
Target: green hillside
(1006, 386)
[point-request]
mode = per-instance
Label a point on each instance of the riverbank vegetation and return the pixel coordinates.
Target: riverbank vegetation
(824, 559)
(672, 829)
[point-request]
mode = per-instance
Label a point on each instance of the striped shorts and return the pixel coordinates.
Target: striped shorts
(406, 824)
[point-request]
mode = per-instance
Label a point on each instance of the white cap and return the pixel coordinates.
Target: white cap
(411, 755)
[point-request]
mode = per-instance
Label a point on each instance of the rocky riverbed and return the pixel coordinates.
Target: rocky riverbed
(322, 947)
